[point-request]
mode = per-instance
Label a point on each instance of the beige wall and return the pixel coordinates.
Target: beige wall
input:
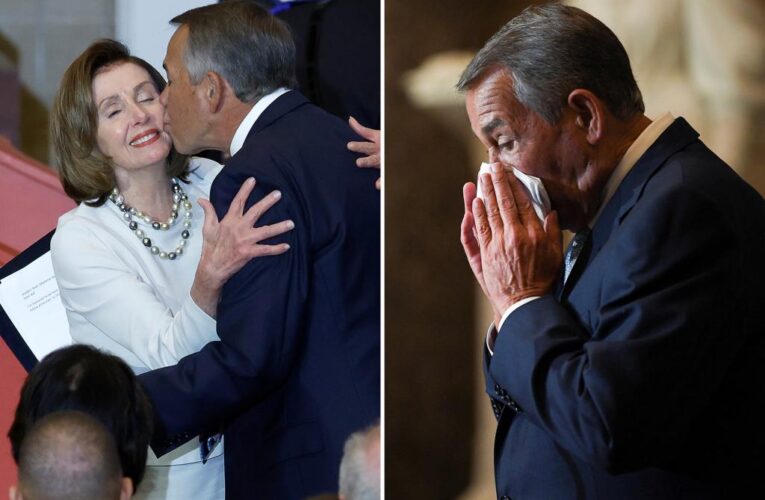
(430, 334)
(41, 38)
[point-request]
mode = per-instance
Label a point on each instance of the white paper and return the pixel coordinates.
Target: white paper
(30, 298)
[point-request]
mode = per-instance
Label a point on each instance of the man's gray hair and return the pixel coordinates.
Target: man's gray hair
(252, 50)
(360, 467)
(550, 50)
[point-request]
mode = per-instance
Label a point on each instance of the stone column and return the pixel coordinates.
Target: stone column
(431, 87)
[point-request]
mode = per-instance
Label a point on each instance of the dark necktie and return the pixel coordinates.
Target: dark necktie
(573, 251)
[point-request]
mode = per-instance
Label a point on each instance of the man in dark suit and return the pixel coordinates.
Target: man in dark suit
(636, 371)
(297, 368)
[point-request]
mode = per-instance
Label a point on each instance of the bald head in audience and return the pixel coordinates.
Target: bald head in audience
(360, 467)
(67, 455)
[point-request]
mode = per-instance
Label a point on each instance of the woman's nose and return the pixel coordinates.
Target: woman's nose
(139, 115)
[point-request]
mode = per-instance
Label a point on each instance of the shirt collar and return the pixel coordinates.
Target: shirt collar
(630, 158)
(244, 128)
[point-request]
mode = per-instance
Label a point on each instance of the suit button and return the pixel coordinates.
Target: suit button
(505, 497)
(496, 409)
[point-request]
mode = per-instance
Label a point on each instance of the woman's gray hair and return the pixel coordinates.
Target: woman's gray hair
(550, 50)
(252, 50)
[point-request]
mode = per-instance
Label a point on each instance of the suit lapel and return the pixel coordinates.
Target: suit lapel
(677, 136)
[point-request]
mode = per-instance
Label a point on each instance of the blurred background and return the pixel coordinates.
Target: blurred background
(701, 59)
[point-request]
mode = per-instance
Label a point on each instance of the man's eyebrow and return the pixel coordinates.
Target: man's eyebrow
(489, 127)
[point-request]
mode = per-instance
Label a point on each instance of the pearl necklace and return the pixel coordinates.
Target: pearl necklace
(180, 200)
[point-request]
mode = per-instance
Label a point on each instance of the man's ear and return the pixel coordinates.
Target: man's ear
(126, 491)
(589, 112)
(213, 86)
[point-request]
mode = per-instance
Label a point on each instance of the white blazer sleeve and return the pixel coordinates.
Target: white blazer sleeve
(100, 287)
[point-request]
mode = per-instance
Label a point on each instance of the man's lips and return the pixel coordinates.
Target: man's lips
(145, 138)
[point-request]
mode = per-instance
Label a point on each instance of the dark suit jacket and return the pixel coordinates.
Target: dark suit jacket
(297, 368)
(643, 377)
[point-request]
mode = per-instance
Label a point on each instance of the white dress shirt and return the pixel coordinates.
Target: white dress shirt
(630, 158)
(244, 128)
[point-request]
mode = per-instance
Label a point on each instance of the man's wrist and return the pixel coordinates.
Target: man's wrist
(496, 326)
(513, 307)
(208, 275)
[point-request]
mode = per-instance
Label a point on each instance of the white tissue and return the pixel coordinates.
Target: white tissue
(533, 187)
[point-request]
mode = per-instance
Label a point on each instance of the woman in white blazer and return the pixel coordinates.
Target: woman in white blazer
(141, 261)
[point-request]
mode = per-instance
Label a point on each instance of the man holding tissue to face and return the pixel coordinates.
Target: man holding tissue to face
(631, 364)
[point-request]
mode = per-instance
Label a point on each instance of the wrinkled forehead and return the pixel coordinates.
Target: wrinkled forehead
(491, 103)
(176, 47)
(117, 77)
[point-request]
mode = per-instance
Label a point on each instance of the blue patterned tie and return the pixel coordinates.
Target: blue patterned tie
(573, 251)
(207, 445)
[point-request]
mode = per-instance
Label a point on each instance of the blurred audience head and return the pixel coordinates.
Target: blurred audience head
(69, 455)
(84, 379)
(360, 467)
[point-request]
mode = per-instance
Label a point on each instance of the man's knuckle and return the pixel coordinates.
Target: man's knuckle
(506, 203)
